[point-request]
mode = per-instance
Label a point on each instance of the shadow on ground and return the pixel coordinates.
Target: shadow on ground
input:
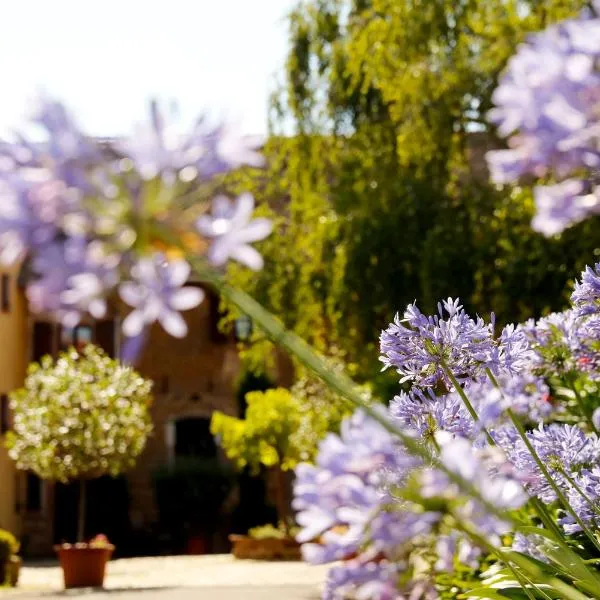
(283, 592)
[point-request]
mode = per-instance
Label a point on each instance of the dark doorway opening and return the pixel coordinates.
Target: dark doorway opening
(193, 438)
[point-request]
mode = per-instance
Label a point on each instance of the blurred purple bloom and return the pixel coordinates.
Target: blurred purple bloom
(547, 102)
(344, 498)
(156, 294)
(158, 148)
(30, 215)
(70, 278)
(490, 474)
(365, 581)
(564, 204)
(232, 229)
(227, 149)
(531, 545)
(64, 153)
(417, 345)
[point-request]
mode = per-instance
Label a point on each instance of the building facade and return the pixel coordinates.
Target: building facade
(192, 377)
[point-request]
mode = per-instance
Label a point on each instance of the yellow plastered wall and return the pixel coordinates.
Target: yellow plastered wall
(13, 363)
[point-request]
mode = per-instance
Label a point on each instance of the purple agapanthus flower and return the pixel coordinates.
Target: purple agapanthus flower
(70, 278)
(488, 471)
(231, 229)
(560, 447)
(547, 102)
(584, 498)
(586, 295)
(157, 294)
(419, 347)
(159, 148)
(563, 204)
(425, 413)
(532, 545)
(31, 212)
(64, 153)
(345, 501)
(456, 548)
(83, 214)
(365, 581)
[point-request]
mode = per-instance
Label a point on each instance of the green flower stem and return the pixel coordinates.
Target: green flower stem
(465, 399)
(585, 413)
(339, 382)
(578, 489)
(546, 518)
(513, 560)
(538, 461)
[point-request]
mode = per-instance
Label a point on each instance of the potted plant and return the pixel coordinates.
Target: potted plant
(79, 417)
(10, 563)
(189, 496)
(267, 437)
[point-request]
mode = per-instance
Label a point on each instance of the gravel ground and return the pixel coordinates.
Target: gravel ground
(183, 577)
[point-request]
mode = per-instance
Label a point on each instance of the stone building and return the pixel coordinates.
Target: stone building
(192, 377)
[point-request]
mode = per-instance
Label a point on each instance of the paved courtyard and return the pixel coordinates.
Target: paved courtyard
(183, 577)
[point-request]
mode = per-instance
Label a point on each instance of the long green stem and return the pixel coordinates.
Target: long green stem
(562, 498)
(513, 559)
(546, 517)
(578, 489)
(584, 411)
(559, 493)
(465, 400)
(337, 381)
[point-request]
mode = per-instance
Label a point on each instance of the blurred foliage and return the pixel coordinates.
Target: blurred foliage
(281, 427)
(376, 176)
(79, 416)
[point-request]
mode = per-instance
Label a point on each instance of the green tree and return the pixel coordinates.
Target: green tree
(79, 417)
(377, 179)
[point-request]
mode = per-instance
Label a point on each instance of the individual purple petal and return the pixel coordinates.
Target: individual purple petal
(563, 204)
(231, 228)
(156, 293)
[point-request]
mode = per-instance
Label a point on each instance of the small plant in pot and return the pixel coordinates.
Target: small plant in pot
(266, 438)
(10, 563)
(77, 418)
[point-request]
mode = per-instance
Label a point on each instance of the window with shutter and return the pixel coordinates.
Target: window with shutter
(4, 414)
(5, 292)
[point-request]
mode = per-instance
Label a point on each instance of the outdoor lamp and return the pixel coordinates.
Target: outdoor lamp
(243, 328)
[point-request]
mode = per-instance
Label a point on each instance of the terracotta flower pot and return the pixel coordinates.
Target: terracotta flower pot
(264, 549)
(83, 565)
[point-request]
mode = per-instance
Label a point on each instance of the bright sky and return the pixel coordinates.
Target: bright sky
(105, 58)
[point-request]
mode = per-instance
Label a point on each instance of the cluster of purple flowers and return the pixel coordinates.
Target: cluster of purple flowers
(547, 104)
(368, 502)
(89, 218)
(425, 349)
